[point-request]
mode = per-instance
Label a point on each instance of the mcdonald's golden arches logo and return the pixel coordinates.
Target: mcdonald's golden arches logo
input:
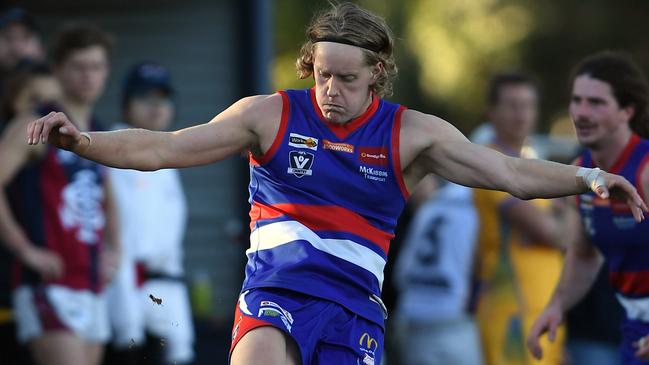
(368, 342)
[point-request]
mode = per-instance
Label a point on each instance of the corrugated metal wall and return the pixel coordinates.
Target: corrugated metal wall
(197, 40)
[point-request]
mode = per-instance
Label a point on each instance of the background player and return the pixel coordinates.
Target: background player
(434, 277)
(60, 216)
(153, 213)
(609, 108)
(332, 291)
(519, 257)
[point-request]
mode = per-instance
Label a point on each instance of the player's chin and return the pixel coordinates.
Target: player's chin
(588, 139)
(335, 117)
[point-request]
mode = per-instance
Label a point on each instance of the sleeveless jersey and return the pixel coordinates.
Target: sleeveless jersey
(58, 201)
(624, 243)
(324, 201)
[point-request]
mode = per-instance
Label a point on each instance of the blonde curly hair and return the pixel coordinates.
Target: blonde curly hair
(350, 24)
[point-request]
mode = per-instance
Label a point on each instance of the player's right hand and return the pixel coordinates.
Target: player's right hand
(55, 128)
(47, 263)
(548, 322)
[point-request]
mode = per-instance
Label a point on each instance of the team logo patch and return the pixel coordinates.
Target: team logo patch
(300, 163)
(81, 207)
(300, 141)
(272, 309)
(373, 173)
(338, 147)
(377, 156)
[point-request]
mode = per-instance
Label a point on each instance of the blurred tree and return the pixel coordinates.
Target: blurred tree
(447, 49)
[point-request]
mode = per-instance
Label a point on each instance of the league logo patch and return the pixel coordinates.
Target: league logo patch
(300, 141)
(300, 163)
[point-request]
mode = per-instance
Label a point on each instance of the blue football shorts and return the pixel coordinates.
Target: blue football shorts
(324, 331)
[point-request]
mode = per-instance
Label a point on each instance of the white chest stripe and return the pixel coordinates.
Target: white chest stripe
(280, 233)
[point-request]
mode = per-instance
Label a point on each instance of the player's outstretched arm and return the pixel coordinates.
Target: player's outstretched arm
(445, 151)
(234, 130)
(581, 265)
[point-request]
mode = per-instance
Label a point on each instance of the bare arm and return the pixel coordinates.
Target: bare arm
(15, 155)
(581, 266)
(237, 128)
(540, 226)
(443, 150)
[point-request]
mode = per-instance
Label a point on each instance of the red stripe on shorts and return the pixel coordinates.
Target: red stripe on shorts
(243, 324)
(50, 321)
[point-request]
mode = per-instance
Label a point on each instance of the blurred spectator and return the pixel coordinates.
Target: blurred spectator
(20, 41)
(519, 256)
(30, 86)
(558, 148)
(433, 275)
(60, 217)
(153, 215)
(26, 90)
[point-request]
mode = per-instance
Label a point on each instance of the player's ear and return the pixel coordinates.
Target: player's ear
(628, 112)
(376, 71)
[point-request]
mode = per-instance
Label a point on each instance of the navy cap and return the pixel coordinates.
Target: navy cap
(18, 15)
(146, 77)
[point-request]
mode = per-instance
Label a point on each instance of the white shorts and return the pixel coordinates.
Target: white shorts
(132, 313)
(171, 320)
(48, 308)
(449, 342)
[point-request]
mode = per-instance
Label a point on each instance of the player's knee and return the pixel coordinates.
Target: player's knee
(265, 345)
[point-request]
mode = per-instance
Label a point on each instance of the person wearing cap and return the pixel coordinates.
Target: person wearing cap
(152, 211)
(330, 171)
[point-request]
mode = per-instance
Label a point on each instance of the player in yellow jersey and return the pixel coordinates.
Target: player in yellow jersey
(519, 257)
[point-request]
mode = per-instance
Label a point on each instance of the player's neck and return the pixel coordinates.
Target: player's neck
(80, 113)
(608, 151)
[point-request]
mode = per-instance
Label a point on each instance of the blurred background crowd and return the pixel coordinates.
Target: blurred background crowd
(468, 271)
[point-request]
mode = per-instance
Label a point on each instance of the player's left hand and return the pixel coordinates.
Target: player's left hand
(642, 346)
(617, 187)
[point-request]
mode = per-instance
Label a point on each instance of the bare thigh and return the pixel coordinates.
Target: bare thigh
(265, 346)
(59, 348)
